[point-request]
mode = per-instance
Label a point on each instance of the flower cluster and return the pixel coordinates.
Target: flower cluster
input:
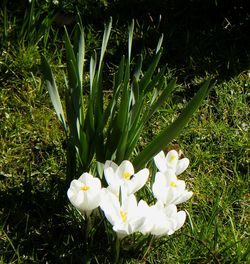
(119, 203)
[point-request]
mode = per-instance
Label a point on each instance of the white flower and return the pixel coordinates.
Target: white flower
(123, 216)
(168, 189)
(124, 177)
(85, 193)
(171, 161)
(160, 220)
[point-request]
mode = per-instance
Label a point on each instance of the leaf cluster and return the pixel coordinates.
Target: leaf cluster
(100, 131)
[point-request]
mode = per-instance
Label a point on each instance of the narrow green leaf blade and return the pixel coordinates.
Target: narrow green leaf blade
(105, 39)
(159, 43)
(130, 40)
(149, 73)
(162, 98)
(53, 91)
(81, 54)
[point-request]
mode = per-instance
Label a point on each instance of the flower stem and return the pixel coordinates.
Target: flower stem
(88, 227)
(117, 249)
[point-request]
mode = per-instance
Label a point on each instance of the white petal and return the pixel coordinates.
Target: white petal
(159, 186)
(171, 210)
(109, 175)
(183, 197)
(170, 195)
(145, 212)
(125, 167)
(75, 185)
(83, 178)
(137, 181)
(112, 180)
(160, 161)
(129, 204)
(94, 184)
(87, 199)
(93, 200)
(180, 219)
(180, 185)
(121, 230)
(110, 206)
(159, 219)
(77, 199)
(110, 164)
(172, 159)
(170, 175)
(182, 165)
(135, 224)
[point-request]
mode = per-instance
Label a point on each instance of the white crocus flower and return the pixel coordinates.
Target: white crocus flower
(123, 216)
(168, 189)
(160, 220)
(85, 193)
(171, 161)
(124, 177)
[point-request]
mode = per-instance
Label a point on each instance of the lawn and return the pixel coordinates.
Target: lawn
(37, 222)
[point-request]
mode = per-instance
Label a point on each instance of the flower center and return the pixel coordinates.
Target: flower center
(126, 175)
(172, 184)
(172, 158)
(123, 216)
(85, 188)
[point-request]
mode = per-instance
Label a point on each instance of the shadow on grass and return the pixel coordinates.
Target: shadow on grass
(199, 36)
(36, 227)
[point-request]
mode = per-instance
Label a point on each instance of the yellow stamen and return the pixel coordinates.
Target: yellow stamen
(172, 184)
(126, 175)
(123, 216)
(172, 158)
(85, 188)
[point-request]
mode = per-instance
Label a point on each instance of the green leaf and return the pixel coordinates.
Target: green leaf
(53, 91)
(173, 130)
(159, 44)
(130, 40)
(97, 87)
(160, 100)
(81, 54)
(122, 146)
(105, 43)
(92, 68)
(139, 123)
(149, 73)
(138, 67)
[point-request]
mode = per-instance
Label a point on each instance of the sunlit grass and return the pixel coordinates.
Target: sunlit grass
(34, 207)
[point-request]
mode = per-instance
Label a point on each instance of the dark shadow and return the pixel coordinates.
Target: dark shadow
(38, 225)
(201, 36)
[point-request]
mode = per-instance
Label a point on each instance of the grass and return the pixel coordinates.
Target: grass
(37, 224)
(36, 220)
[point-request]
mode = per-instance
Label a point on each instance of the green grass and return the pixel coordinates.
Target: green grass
(37, 224)
(36, 221)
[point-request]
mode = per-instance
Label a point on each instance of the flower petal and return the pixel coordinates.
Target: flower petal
(180, 219)
(172, 159)
(85, 193)
(110, 164)
(137, 181)
(125, 170)
(160, 161)
(182, 165)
